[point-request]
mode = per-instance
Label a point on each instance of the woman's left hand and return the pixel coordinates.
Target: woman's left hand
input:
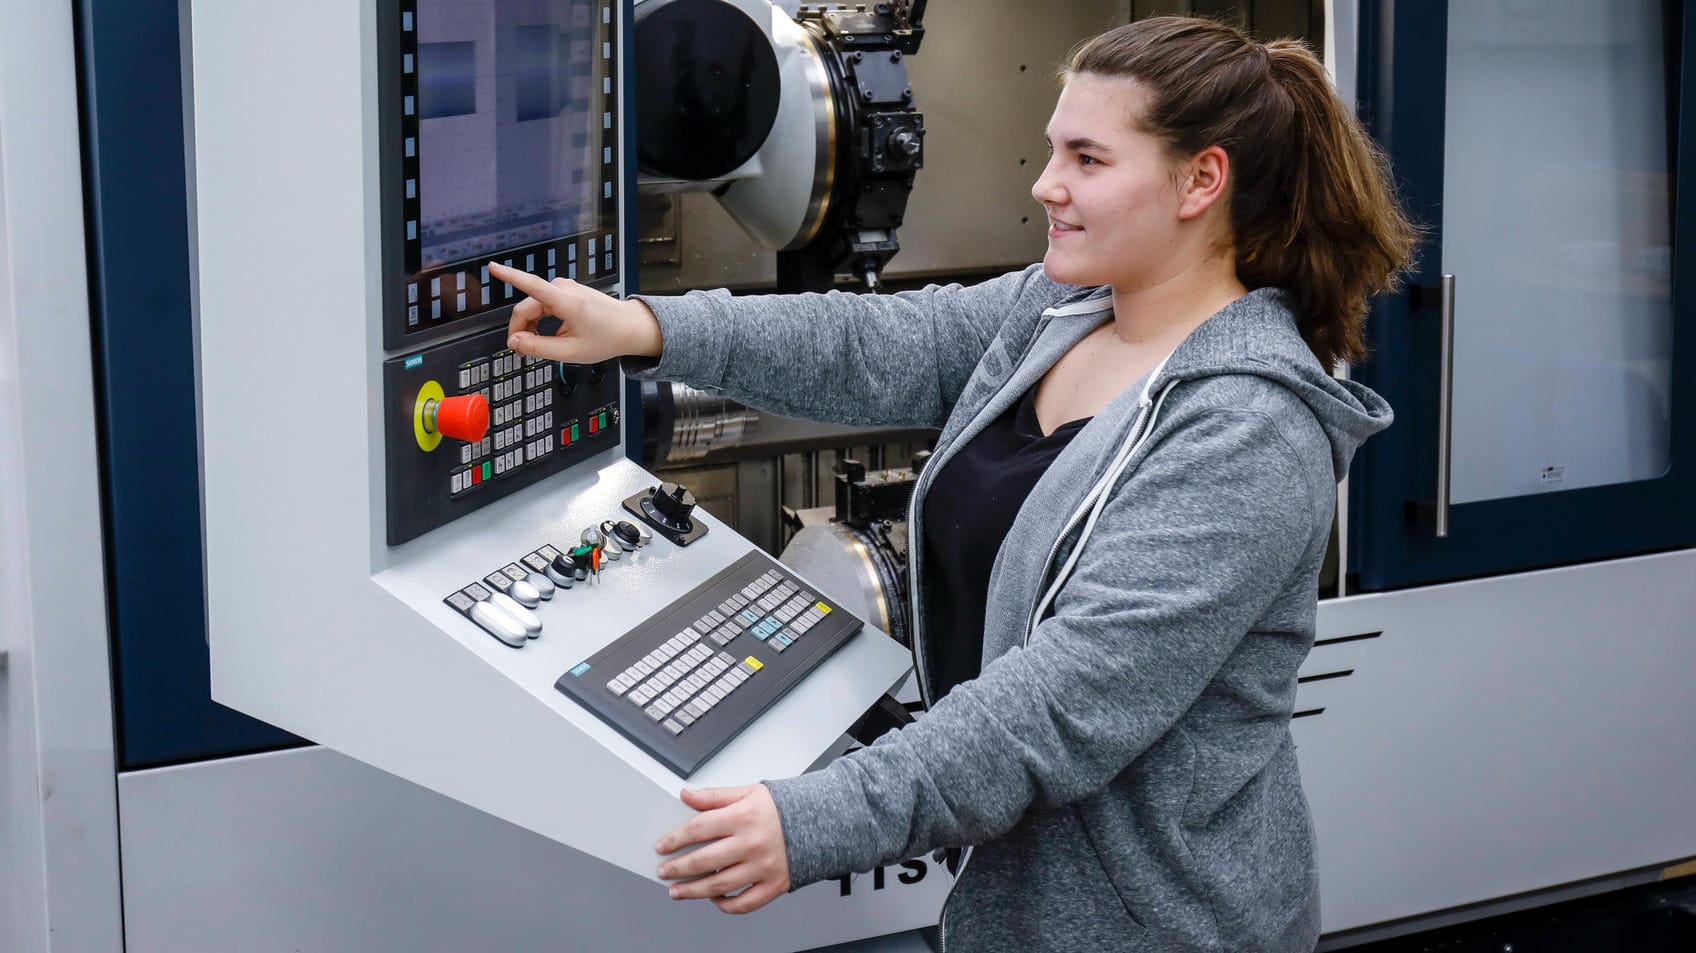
(742, 838)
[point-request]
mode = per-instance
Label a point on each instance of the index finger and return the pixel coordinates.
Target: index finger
(525, 313)
(532, 285)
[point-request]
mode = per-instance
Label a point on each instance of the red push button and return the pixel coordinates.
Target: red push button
(463, 418)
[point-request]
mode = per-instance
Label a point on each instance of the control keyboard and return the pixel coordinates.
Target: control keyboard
(689, 678)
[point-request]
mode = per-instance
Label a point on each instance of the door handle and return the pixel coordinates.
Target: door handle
(1445, 402)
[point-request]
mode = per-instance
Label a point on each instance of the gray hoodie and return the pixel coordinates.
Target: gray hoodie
(1123, 762)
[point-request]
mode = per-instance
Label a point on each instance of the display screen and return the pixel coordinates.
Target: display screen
(507, 148)
(509, 124)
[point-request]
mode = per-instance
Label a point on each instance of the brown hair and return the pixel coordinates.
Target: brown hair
(1312, 208)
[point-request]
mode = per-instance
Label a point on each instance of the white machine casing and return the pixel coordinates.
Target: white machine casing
(315, 624)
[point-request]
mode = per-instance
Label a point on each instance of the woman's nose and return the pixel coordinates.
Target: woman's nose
(1046, 189)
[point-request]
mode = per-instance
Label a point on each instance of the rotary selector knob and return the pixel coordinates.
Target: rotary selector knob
(624, 531)
(669, 509)
(673, 504)
(462, 418)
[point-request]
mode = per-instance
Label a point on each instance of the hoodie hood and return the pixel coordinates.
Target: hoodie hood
(1257, 334)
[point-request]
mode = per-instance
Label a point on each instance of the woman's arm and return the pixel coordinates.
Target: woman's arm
(861, 359)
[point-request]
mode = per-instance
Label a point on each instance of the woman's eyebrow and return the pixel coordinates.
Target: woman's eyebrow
(1081, 144)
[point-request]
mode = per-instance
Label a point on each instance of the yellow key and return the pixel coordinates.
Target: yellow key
(822, 608)
(754, 663)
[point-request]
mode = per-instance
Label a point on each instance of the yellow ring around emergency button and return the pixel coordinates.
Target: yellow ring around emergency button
(427, 439)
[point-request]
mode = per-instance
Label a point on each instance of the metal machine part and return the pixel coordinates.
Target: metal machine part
(865, 568)
(804, 128)
(879, 146)
(682, 425)
(861, 551)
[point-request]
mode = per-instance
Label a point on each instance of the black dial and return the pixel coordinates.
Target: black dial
(674, 504)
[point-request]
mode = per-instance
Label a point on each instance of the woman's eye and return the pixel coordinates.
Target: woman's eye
(1086, 160)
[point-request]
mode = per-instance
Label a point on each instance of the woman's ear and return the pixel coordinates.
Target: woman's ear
(1205, 180)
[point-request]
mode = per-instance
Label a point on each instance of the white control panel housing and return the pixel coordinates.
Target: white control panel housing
(316, 624)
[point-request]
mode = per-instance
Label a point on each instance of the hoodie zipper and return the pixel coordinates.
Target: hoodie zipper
(918, 554)
(1140, 429)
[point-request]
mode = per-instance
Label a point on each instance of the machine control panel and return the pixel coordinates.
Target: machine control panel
(542, 417)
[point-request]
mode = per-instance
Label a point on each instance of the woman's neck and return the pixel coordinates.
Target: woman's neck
(1160, 315)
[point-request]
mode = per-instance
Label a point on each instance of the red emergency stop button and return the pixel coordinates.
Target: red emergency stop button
(462, 418)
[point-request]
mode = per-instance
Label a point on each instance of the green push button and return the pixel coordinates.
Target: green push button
(488, 469)
(603, 422)
(574, 437)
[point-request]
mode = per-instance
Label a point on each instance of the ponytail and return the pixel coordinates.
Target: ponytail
(1312, 209)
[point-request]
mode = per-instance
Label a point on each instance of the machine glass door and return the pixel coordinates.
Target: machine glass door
(1534, 359)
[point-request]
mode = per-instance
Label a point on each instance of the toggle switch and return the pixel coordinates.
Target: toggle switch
(525, 594)
(542, 584)
(499, 624)
(529, 620)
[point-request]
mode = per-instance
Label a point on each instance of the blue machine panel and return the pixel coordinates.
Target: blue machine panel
(132, 100)
(1409, 83)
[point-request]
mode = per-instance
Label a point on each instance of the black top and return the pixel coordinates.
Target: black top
(968, 513)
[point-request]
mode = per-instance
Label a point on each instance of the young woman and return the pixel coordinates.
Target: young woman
(1118, 539)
